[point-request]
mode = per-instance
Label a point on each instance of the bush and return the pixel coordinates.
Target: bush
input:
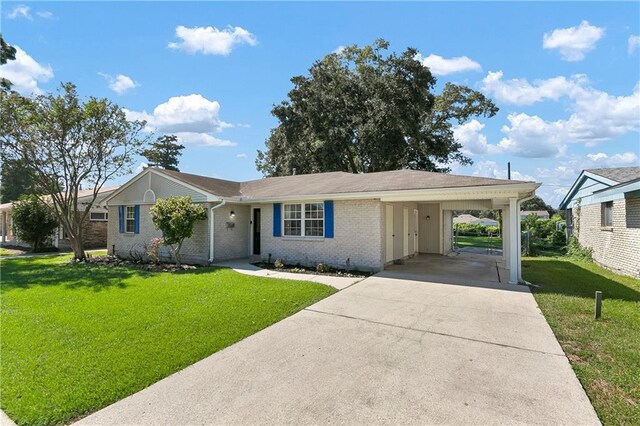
(278, 263)
(576, 251)
(34, 222)
(322, 267)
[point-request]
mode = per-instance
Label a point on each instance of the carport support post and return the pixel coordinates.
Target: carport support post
(514, 235)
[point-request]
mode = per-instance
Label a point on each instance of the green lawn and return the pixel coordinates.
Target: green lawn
(478, 241)
(8, 252)
(77, 338)
(605, 354)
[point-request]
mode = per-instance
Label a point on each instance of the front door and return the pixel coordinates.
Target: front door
(415, 231)
(256, 231)
(405, 232)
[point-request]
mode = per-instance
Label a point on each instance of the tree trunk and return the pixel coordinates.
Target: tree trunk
(77, 245)
(176, 252)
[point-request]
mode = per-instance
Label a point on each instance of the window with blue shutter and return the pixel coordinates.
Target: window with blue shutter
(121, 218)
(328, 219)
(136, 219)
(277, 219)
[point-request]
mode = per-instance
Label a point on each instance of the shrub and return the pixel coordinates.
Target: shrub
(322, 267)
(34, 222)
(278, 263)
(153, 250)
(577, 251)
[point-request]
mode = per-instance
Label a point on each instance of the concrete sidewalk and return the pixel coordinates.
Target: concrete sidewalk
(386, 350)
(244, 267)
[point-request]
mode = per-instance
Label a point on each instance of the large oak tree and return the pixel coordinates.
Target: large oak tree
(362, 110)
(65, 145)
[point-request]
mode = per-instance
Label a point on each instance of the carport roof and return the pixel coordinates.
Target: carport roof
(333, 183)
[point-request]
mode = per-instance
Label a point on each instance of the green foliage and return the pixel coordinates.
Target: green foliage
(175, 218)
(7, 53)
(575, 250)
(537, 203)
(278, 264)
(363, 110)
(33, 221)
(77, 338)
(15, 181)
(544, 236)
(475, 229)
(322, 267)
(64, 144)
(164, 153)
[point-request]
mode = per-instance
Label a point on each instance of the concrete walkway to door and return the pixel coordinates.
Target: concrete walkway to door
(395, 348)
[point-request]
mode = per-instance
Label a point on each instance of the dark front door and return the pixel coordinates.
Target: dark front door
(256, 231)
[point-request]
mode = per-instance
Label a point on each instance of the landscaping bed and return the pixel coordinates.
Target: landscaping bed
(604, 353)
(79, 337)
(318, 270)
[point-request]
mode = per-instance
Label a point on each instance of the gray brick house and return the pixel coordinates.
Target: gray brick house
(362, 220)
(603, 212)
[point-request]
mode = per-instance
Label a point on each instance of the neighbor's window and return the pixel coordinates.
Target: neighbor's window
(304, 220)
(130, 219)
(607, 213)
(99, 216)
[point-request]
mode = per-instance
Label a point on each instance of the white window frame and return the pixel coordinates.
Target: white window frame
(606, 206)
(303, 219)
(128, 219)
(104, 219)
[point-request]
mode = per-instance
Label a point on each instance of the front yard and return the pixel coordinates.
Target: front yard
(604, 353)
(479, 241)
(77, 338)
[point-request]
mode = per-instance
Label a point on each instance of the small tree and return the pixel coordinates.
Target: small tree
(175, 217)
(164, 152)
(33, 221)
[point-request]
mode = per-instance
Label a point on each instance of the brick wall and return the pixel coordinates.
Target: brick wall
(358, 236)
(617, 247)
(194, 250)
(231, 234)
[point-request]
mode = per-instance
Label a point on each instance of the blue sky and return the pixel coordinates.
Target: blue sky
(565, 75)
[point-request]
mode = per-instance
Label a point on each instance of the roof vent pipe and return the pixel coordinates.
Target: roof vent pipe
(509, 170)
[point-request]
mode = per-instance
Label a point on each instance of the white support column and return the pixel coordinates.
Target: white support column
(505, 236)
(514, 237)
(4, 227)
(519, 228)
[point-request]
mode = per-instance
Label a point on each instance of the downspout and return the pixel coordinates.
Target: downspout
(211, 244)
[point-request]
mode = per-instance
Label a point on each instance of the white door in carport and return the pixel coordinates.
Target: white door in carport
(415, 231)
(389, 233)
(405, 232)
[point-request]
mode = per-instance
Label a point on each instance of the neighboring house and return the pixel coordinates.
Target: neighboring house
(541, 214)
(364, 221)
(94, 228)
(603, 211)
(472, 220)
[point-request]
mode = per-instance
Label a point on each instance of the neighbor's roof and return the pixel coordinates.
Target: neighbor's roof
(618, 174)
(334, 183)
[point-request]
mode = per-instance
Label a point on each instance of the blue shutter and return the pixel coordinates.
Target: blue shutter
(277, 219)
(136, 221)
(328, 219)
(121, 218)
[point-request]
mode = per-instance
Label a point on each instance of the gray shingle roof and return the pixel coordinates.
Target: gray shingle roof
(334, 183)
(618, 174)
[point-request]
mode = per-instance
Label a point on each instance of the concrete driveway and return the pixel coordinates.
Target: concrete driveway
(392, 349)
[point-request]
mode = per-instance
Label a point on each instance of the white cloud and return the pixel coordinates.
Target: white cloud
(211, 40)
(192, 118)
(20, 11)
(120, 83)
(241, 155)
(521, 92)
(472, 140)
(441, 66)
(202, 139)
(491, 169)
(25, 73)
(633, 44)
(141, 167)
(532, 137)
(573, 42)
(45, 14)
(338, 50)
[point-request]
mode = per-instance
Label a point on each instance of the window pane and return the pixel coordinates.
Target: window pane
(292, 227)
(314, 210)
(293, 211)
(314, 228)
(130, 225)
(130, 213)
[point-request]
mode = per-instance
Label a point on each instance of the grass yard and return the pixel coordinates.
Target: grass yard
(478, 241)
(605, 354)
(77, 338)
(8, 252)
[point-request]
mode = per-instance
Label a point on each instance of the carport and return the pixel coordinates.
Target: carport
(420, 223)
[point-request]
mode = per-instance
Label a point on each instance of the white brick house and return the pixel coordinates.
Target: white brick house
(603, 212)
(364, 221)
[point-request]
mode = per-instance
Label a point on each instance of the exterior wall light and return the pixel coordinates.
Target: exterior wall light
(233, 214)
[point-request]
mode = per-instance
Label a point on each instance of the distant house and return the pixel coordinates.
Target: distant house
(542, 214)
(464, 218)
(94, 228)
(603, 212)
(472, 220)
(364, 221)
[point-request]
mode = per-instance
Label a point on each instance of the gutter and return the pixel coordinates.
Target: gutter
(211, 242)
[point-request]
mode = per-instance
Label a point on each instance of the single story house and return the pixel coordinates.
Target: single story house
(541, 214)
(472, 220)
(603, 212)
(94, 229)
(363, 221)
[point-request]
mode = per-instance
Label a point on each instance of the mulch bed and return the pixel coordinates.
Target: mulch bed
(296, 269)
(113, 261)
